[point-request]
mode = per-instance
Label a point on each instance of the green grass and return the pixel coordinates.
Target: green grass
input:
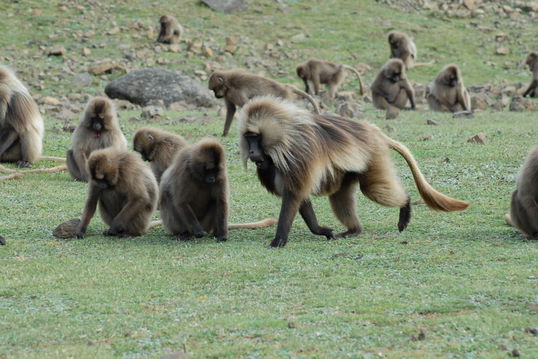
(465, 279)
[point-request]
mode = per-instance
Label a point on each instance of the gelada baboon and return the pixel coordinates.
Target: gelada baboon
(158, 147)
(532, 62)
(325, 72)
(125, 189)
(21, 124)
(194, 194)
(524, 205)
(391, 90)
(402, 47)
(299, 154)
(98, 128)
(238, 87)
(447, 92)
(171, 30)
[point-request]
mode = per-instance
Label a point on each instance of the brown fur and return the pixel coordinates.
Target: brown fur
(524, 204)
(21, 124)
(190, 203)
(325, 72)
(532, 62)
(238, 87)
(391, 90)
(125, 189)
(402, 47)
(302, 154)
(158, 147)
(447, 92)
(87, 139)
(171, 30)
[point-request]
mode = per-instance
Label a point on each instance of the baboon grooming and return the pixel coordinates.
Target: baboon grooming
(524, 206)
(402, 47)
(158, 147)
(194, 194)
(299, 154)
(21, 124)
(325, 72)
(99, 128)
(125, 189)
(171, 30)
(391, 90)
(532, 62)
(238, 87)
(447, 92)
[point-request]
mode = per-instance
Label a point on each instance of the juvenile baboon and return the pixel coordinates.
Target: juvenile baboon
(125, 189)
(98, 128)
(158, 147)
(238, 87)
(402, 47)
(524, 204)
(532, 62)
(21, 124)
(194, 194)
(391, 90)
(299, 154)
(171, 30)
(447, 92)
(325, 72)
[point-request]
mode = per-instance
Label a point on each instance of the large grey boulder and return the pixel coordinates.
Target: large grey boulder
(144, 86)
(226, 6)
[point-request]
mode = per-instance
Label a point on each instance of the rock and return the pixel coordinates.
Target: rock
(479, 138)
(515, 353)
(231, 45)
(82, 80)
(151, 112)
(469, 4)
(350, 110)
(66, 229)
(520, 103)
(86, 52)
(142, 86)
(501, 37)
(56, 51)
(226, 6)
(207, 52)
(298, 37)
(463, 114)
(502, 51)
(432, 122)
(2, 241)
(174, 48)
(48, 100)
(106, 67)
(479, 101)
(389, 128)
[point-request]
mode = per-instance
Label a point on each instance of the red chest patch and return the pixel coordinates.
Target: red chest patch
(97, 134)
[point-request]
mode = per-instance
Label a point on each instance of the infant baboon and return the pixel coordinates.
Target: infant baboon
(447, 92)
(158, 147)
(391, 90)
(325, 72)
(171, 30)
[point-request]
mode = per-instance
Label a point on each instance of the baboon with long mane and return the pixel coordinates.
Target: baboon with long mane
(299, 154)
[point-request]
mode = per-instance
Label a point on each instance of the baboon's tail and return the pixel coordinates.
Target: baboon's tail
(433, 198)
(354, 70)
(52, 158)
(306, 96)
(253, 225)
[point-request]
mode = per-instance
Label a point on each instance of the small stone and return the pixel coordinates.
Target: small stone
(292, 325)
(2, 241)
(479, 138)
(502, 51)
(56, 51)
(86, 51)
(67, 229)
(48, 100)
(432, 122)
(463, 114)
(174, 48)
(389, 128)
(425, 138)
(515, 353)
(533, 331)
(152, 112)
(207, 52)
(500, 37)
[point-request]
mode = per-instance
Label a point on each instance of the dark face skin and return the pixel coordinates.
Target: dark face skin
(255, 150)
(96, 124)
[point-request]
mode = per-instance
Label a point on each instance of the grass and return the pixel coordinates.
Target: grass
(465, 279)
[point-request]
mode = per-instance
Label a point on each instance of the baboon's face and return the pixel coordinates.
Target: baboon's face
(217, 85)
(255, 149)
(205, 167)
